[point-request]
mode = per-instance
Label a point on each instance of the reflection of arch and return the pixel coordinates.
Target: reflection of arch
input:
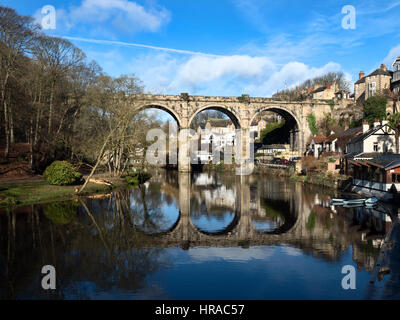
(163, 108)
(290, 216)
(225, 231)
(163, 232)
(288, 225)
(230, 113)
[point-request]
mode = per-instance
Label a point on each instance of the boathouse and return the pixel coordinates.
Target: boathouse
(381, 173)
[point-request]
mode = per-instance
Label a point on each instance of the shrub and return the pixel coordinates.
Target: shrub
(132, 180)
(312, 123)
(62, 173)
(375, 108)
(137, 177)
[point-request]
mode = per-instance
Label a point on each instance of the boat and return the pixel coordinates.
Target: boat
(370, 205)
(354, 202)
(336, 201)
(371, 201)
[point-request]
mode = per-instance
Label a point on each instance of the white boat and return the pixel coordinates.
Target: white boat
(354, 201)
(370, 205)
(371, 201)
(336, 201)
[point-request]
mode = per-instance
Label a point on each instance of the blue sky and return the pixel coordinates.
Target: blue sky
(229, 47)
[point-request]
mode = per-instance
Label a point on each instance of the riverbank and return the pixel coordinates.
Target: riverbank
(33, 191)
(331, 181)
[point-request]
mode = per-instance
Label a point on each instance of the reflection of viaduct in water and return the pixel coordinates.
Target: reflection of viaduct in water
(241, 230)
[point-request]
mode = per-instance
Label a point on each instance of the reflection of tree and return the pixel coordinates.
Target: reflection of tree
(99, 250)
(147, 212)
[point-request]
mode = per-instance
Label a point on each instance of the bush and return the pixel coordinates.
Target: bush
(137, 177)
(62, 173)
(132, 180)
(375, 108)
(312, 123)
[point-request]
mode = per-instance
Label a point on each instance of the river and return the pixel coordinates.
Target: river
(198, 236)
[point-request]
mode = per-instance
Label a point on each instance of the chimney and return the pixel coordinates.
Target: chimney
(365, 126)
(384, 122)
(361, 75)
(377, 123)
(383, 66)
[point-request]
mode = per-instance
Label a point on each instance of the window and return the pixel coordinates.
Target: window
(372, 87)
(375, 146)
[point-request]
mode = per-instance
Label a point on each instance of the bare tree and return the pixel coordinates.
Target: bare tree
(17, 35)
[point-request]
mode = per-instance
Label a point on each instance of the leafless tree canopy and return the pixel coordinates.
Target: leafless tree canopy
(63, 105)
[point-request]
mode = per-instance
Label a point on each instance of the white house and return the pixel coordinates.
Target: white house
(215, 137)
(375, 140)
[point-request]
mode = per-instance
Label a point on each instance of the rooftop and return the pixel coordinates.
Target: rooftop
(319, 139)
(381, 71)
(351, 132)
(362, 80)
(387, 161)
(367, 133)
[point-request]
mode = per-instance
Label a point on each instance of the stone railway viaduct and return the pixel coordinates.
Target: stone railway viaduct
(241, 110)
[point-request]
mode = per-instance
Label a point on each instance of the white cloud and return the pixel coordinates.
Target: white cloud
(392, 55)
(231, 254)
(227, 76)
(295, 252)
(200, 69)
(105, 17)
(289, 75)
(123, 14)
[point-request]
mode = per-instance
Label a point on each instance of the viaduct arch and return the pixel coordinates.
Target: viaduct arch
(241, 110)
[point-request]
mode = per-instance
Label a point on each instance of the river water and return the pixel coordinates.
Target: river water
(198, 236)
